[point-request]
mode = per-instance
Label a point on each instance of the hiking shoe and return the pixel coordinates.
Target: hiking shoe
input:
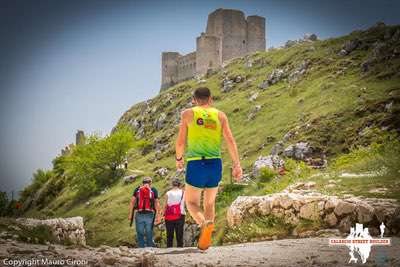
(205, 235)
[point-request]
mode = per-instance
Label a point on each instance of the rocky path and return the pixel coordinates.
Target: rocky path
(287, 252)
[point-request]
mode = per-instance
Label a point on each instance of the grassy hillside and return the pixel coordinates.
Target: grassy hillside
(340, 104)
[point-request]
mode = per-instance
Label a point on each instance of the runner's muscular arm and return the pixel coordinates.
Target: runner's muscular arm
(186, 116)
(232, 148)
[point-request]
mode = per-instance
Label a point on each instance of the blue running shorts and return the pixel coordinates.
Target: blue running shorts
(204, 173)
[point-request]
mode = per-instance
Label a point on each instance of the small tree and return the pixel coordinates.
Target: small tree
(93, 165)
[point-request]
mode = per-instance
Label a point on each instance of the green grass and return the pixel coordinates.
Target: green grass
(324, 108)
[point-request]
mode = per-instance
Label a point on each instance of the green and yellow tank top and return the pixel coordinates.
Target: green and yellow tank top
(204, 134)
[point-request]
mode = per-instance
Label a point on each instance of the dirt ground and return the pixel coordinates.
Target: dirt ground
(286, 252)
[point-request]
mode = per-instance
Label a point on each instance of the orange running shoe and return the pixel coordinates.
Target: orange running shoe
(205, 235)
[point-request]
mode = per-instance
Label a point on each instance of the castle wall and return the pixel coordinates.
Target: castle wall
(169, 69)
(186, 66)
(255, 34)
(228, 35)
(207, 53)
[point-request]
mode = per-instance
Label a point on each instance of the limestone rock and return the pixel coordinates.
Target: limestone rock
(365, 213)
(160, 121)
(162, 172)
(271, 161)
(299, 151)
(310, 211)
(344, 208)
(345, 224)
(130, 178)
(277, 149)
(253, 97)
(63, 229)
(331, 219)
(331, 203)
(299, 71)
(310, 37)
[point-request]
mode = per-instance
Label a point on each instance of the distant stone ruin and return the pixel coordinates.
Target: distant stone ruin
(229, 34)
(79, 137)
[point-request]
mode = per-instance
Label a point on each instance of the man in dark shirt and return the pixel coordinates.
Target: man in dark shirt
(146, 213)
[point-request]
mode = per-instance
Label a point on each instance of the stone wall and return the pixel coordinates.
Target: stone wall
(255, 34)
(186, 66)
(207, 48)
(169, 69)
(65, 230)
(331, 211)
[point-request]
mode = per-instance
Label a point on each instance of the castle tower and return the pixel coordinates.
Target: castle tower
(79, 137)
(169, 69)
(231, 27)
(207, 53)
(255, 34)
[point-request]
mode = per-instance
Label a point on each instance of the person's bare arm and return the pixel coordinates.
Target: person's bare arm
(232, 148)
(181, 140)
(133, 200)
(158, 211)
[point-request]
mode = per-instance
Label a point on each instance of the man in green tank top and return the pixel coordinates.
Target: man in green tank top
(201, 130)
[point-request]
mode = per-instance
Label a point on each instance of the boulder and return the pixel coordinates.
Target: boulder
(162, 172)
(253, 112)
(298, 151)
(331, 219)
(365, 213)
(276, 76)
(351, 45)
(130, 178)
(310, 37)
(271, 161)
(345, 224)
(331, 203)
(344, 208)
(227, 85)
(253, 97)
(310, 211)
(160, 121)
(263, 85)
(299, 71)
(238, 79)
(289, 43)
(277, 149)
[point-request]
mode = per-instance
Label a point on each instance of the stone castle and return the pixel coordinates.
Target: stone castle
(229, 34)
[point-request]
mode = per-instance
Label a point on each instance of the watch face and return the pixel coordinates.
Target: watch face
(200, 121)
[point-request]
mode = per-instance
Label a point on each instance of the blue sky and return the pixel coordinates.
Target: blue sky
(68, 65)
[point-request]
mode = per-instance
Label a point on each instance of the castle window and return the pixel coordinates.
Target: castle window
(244, 41)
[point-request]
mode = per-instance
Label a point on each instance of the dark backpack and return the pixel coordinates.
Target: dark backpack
(145, 199)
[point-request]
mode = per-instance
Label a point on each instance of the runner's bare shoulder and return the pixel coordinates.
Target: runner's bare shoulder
(187, 114)
(222, 116)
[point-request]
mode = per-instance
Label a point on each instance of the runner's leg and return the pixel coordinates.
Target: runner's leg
(192, 200)
(209, 203)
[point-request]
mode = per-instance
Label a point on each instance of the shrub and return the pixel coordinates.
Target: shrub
(267, 174)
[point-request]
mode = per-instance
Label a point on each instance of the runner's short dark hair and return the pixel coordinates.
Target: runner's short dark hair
(202, 93)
